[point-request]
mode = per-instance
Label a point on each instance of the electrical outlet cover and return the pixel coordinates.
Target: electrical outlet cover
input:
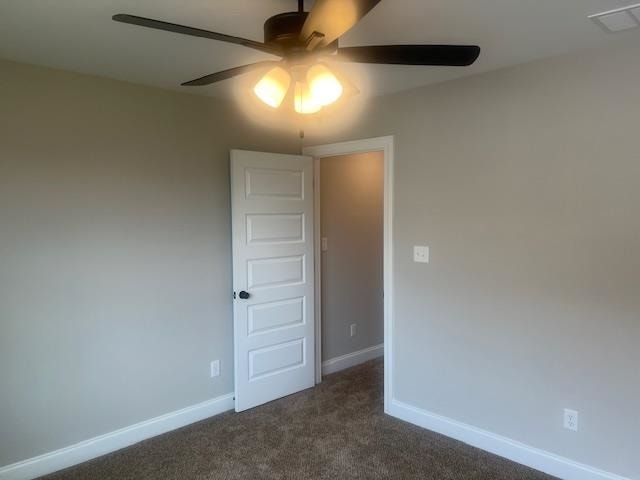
(421, 254)
(571, 419)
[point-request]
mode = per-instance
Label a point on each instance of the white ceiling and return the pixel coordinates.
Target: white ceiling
(79, 35)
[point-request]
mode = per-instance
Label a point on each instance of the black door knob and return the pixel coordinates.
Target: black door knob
(244, 295)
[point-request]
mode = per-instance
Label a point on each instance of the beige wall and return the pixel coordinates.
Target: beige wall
(525, 183)
(115, 256)
(351, 205)
(114, 243)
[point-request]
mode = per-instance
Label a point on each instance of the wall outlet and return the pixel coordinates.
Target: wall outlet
(352, 330)
(215, 368)
(570, 419)
(421, 254)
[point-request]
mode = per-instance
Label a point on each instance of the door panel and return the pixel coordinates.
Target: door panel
(274, 359)
(273, 229)
(274, 184)
(275, 272)
(272, 223)
(274, 315)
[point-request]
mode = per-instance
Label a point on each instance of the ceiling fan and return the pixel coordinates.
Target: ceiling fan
(306, 41)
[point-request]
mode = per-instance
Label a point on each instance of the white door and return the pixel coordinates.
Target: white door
(272, 224)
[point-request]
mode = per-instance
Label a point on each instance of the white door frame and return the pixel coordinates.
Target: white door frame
(385, 145)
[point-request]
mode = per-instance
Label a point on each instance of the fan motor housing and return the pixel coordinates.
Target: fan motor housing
(284, 30)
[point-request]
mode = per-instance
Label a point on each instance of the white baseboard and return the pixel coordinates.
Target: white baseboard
(541, 460)
(109, 442)
(352, 359)
(502, 446)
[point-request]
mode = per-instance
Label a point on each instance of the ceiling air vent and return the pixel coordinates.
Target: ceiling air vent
(619, 19)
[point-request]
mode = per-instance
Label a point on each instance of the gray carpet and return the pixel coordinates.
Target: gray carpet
(334, 431)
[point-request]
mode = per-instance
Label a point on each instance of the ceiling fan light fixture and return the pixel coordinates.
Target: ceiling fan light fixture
(303, 40)
(303, 101)
(324, 86)
(273, 86)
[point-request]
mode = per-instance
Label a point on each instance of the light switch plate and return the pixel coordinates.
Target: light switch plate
(324, 244)
(421, 254)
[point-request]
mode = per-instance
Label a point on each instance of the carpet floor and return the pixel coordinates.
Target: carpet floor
(336, 430)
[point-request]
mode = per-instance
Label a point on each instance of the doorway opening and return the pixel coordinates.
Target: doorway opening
(351, 195)
(353, 254)
(277, 270)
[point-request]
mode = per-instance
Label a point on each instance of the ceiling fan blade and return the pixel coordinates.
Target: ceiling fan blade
(329, 19)
(196, 32)
(224, 74)
(439, 55)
